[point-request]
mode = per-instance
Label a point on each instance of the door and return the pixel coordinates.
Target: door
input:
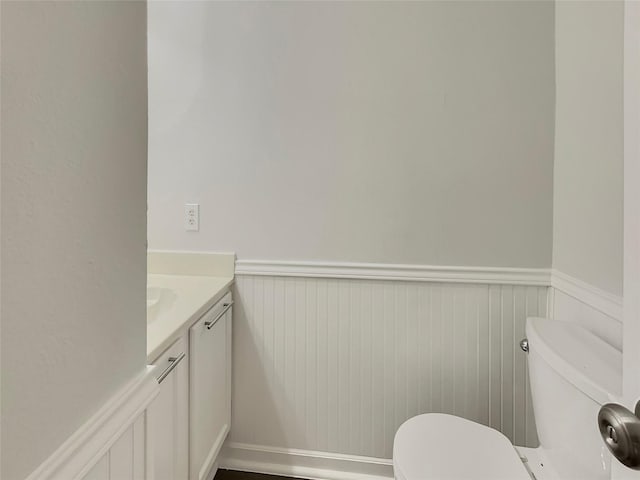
(631, 336)
(169, 415)
(210, 387)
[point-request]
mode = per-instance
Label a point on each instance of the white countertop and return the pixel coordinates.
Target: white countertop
(193, 296)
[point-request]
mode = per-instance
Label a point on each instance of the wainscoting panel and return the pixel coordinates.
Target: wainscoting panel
(126, 458)
(337, 365)
(114, 444)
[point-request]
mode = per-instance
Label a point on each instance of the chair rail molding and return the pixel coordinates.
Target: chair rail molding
(90, 445)
(406, 272)
(604, 302)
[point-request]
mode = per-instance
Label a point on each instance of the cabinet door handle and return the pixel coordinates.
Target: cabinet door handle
(173, 361)
(210, 324)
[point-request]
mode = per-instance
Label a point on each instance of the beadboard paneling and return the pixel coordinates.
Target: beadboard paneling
(336, 365)
(113, 444)
(126, 458)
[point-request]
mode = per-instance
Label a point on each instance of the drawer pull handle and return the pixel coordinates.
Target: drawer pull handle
(210, 324)
(173, 361)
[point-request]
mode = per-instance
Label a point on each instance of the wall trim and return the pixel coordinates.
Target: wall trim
(80, 452)
(308, 464)
(381, 271)
(605, 302)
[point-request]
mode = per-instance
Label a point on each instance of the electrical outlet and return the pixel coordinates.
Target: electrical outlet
(192, 217)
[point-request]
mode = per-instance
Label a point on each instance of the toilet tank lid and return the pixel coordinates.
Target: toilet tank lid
(586, 361)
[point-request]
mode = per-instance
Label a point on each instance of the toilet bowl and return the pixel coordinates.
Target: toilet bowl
(572, 373)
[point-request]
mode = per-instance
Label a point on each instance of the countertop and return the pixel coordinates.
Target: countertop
(191, 296)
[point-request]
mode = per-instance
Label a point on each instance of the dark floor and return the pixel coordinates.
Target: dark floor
(234, 475)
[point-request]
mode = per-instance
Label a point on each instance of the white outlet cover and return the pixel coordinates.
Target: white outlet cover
(191, 217)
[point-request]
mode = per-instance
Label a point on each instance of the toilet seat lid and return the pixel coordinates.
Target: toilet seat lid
(445, 447)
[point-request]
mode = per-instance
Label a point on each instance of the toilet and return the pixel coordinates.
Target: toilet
(572, 373)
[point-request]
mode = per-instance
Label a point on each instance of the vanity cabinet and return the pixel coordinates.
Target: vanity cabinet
(209, 387)
(168, 414)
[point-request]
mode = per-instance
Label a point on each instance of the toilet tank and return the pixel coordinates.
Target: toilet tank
(572, 373)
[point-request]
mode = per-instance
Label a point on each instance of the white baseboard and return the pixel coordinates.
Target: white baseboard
(80, 452)
(380, 271)
(604, 302)
(308, 464)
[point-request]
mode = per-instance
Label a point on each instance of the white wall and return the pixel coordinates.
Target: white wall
(588, 180)
(74, 116)
(417, 133)
(386, 132)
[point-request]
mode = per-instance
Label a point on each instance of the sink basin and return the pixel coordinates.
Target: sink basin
(158, 300)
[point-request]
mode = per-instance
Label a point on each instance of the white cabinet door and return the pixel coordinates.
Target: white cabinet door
(210, 387)
(169, 415)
